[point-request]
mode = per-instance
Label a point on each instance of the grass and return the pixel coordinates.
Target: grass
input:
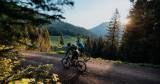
(67, 39)
(148, 65)
(113, 61)
(56, 52)
(132, 64)
(55, 44)
(138, 64)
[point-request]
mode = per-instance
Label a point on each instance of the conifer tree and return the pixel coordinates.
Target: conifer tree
(61, 39)
(113, 33)
(18, 20)
(141, 39)
(88, 44)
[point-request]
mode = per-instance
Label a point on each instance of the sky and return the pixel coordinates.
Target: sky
(90, 13)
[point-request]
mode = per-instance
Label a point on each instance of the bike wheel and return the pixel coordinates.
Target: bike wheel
(81, 66)
(86, 56)
(66, 63)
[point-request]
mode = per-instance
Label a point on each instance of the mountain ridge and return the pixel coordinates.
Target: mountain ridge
(100, 30)
(68, 29)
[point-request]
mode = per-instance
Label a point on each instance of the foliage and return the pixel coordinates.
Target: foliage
(107, 47)
(33, 11)
(6, 68)
(42, 42)
(113, 36)
(21, 24)
(96, 47)
(54, 79)
(61, 39)
(141, 39)
(15, 15)
(38, 73)
(88, 44)
(8, 61)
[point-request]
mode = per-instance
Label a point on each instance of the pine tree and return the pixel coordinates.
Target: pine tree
(15, 15)
(113, 33)
(95, 48)
(101, 46)
(141, 39)
(61, 39)
(88, 44)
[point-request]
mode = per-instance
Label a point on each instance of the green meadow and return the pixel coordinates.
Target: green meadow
(67, 39)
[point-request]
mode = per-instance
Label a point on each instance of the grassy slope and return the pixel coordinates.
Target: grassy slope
(54, 43)
(67, 39)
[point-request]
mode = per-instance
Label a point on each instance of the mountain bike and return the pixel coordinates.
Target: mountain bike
(68, 62)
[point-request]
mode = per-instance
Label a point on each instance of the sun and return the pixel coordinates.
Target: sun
(127, 21)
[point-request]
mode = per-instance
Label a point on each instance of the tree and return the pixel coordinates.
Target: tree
(113, 33)
(30, 12)
(33, 11)
(140, 41)
(19, 19)
(88, 44)
(61, 39)
(42, 42)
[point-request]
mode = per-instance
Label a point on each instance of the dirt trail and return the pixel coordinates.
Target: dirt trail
(98, 71)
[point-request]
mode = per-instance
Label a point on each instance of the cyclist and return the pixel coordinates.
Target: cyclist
(76, 49)
(80, 46)
(72, 51)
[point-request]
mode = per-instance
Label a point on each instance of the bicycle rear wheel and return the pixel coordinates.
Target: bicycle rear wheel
(81, 66)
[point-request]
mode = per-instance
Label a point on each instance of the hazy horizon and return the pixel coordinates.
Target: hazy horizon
(89, 14)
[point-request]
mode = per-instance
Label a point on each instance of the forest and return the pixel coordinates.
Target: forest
(139, 42)
(24, 27)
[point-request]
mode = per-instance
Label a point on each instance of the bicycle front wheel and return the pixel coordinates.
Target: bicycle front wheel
(66, 63)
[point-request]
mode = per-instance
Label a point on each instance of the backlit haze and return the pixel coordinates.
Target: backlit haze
(90, 13)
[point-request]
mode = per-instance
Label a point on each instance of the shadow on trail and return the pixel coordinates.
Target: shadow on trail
(67, 76)
(72, 77)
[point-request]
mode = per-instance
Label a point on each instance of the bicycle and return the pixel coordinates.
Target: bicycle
(68, 62)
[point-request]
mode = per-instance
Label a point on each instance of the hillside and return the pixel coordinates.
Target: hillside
(100, 30)
(68, 29)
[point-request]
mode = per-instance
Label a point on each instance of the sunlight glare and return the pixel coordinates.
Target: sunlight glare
(127, 21)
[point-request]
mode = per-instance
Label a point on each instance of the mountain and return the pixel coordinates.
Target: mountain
(67, 29)
(100, 30)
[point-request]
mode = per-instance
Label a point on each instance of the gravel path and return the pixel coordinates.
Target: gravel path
(98, 71)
